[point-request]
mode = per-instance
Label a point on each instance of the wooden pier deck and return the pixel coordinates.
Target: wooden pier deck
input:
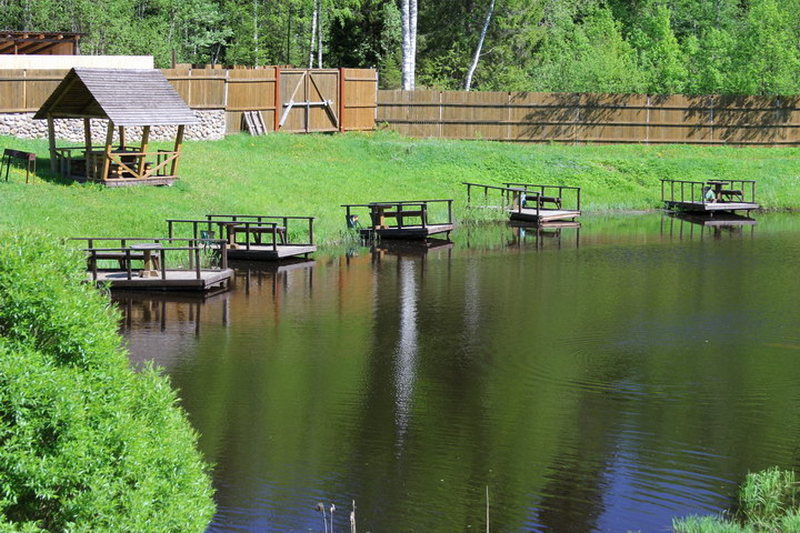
(710, 197)
(408, 232)
(267, 252)
(156, 264)
(254, 237)
(711, 208)
(535, 203)
(173, 280)
(390, 220)
(543, 216)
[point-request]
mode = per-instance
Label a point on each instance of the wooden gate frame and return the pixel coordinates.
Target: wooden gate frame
(306, 80)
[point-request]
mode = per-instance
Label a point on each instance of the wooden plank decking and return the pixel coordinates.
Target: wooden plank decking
(266, 252)
(543, 215)
(711, 207)
(407, 232)
(174, 280)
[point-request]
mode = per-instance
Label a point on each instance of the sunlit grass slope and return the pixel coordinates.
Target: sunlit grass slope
(314, 174)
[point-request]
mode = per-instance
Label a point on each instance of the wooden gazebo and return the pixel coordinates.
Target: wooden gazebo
(126, 98)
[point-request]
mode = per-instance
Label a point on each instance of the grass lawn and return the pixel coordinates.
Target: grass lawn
(314, 174)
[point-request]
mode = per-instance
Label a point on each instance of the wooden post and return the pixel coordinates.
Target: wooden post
(145, 139)
(107, 155)
(87, 133)
(51, 138)
(278, 106)
(122, 137)
(178, 142)
(341, 100)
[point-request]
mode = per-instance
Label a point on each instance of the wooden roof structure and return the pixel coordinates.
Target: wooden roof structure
(126, 97)
(39, 43)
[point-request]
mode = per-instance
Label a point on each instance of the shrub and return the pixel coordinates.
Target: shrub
(86, 444)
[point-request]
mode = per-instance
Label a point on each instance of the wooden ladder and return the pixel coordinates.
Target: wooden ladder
(254, 122)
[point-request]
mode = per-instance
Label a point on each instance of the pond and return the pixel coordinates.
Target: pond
(602, 379)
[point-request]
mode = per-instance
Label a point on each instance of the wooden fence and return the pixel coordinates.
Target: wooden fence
(322, 99)
(593, 118)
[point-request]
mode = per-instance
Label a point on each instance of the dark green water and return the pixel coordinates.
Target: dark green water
(602, 381)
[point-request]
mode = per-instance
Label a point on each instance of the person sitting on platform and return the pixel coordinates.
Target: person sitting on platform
(708, 195)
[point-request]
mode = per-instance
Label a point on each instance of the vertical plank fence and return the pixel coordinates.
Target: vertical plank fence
(350, 94)
(593, 118)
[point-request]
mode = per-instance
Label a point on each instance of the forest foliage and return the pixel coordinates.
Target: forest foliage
(616, 46)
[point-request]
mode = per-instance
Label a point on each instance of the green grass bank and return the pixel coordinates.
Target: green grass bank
(314, 174)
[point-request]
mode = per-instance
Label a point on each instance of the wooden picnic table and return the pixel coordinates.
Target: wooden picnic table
(151, 262)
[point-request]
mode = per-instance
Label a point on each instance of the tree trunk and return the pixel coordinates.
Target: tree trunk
(319, 34)
(409, 12)
(313, 34)
(477, 56)
(255, 33)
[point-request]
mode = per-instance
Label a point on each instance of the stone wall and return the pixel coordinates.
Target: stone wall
(211, 127)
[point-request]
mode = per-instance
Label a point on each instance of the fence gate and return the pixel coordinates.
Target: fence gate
(309, 100)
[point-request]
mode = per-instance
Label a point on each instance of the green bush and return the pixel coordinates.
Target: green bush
(86, 444)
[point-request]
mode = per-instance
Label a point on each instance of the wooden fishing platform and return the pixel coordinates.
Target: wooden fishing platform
(530, 202)
(253, 237)
(709, 197)
(115, 261)
(390, 220)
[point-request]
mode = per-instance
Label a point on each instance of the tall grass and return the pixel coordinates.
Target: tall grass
(314, 174)
(768, 502)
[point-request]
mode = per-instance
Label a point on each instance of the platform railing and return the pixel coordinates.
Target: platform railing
(284, 221)
(688, 191)
(398, 211)
(123, 251)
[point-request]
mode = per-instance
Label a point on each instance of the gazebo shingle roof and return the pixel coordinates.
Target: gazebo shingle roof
(128, 97)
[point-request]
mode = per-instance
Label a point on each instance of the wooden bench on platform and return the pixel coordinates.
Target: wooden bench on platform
(533, 202)
(245, 234)
(164, 265)
(390, 220)
(709, 197)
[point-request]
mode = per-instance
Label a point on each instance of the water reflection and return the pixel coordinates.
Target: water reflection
(721, 225)
(606, 387)
(520, 235)
(406, 351)
(541, 236)
(159, 325)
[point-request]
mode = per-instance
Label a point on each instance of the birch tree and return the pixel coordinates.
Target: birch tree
(409, 12)
(314, 20)
(319, 33)
(477, 56)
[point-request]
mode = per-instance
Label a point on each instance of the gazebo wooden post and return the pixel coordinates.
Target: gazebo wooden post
(87, 134)
(178, 142)
(107, 155)
(122, 137)
(51, 138)
(145, 139)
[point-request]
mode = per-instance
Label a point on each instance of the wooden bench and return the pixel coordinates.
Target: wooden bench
(731, 194)
(29, 158)
(379, 216)
(258, 231)
(541, 200)
(121, 257)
